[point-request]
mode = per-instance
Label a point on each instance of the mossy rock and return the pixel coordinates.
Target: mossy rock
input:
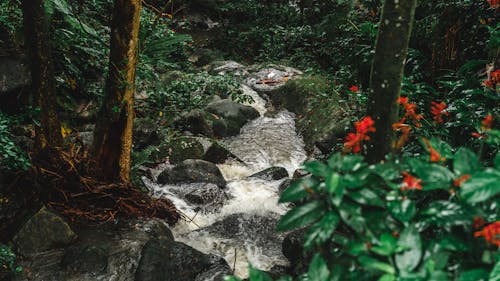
(296, 93)
(183, 148)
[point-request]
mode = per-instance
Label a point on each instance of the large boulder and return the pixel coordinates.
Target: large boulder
(183, 148)
(42, 232)
(195, 121)
(193, 171)
(15, 81)
(227, 67)
(230, 117)
(174, 261)
(271, 78)
(217, 153)
(272, 173)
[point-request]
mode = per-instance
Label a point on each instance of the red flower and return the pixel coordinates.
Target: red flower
(410, 111)
(491, 233)
(458, 182)
(410, 182)
(353, 140)
(354, 89)
(493, 78)
(434, 154)
(438, 110)
(494, 3)
(405, 134)
(487, 123)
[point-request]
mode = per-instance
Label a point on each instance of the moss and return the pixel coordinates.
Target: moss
(183, 148)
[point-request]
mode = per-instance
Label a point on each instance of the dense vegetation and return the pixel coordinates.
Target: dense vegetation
(429, 211)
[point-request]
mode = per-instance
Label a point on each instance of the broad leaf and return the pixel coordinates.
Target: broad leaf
(298, 190)
(257, 275)
(301, 215)
(403, 210)
(495, 273)
(318, 271)
(370, 263)
(410, 241)
(321, 231)
(317, 168)
(481, 187)
(466, 162)
(366, 196)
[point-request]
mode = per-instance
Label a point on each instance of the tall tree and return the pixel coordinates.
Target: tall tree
(113, 133)
(36, 33)
(387, 73)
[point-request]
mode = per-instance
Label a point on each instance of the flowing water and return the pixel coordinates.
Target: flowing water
(243, 229)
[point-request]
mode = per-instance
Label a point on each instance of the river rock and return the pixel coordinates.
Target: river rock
(225, 67)
(170, 261)
(292, 245)
(195, 121)
(209, 196)
(284, 185)
(271, 78)
(146, 133)
(183, 148)
(217, 271)
(193, 171)
(217, 153)
(230, 117)
(273, 173)
(43, 231)
(245, 228)
(300, 173)
(15, 81)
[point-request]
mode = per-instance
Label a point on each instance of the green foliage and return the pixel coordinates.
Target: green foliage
(368, 221)
(182, 92)
(8, 260)
(11, 156)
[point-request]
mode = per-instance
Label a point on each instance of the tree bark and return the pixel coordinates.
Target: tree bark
(37, 41)
(113, 133)
(387, 73)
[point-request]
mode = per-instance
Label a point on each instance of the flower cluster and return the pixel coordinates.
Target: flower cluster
(438, 110)
(491, 233)
(410, 182)
(353, 141)
(434, 154)
(493, 79)
(494, 3)
(400, 126)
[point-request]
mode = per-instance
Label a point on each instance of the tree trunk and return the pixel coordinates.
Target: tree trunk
(113, 133)
(37, 41)
(387, 73)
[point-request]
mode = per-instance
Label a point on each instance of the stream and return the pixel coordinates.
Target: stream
(242, 230)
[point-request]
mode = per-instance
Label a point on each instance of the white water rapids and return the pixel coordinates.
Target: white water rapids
(267, 141)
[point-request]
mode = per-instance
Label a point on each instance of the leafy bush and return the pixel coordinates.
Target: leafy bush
(8, 260)
(404, 219)
(11, 156)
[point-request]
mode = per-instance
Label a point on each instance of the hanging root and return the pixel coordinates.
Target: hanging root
(69, 183)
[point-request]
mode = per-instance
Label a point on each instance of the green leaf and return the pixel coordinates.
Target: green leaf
(317, 168)
(321, 231)
(231, 278)
(403, 210)
(366, 196)
(257, 275)
(301, 215)
(495, 273)
(318, 271)
(478, 274)
(387, 245)
(298, 190)
(332, 182)
(374, 264)
(446, 213)
(433, 176)
(387, 277)
(388, 171)
(497, 161)
(481, 187)
(410, 241)
(466, 162)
